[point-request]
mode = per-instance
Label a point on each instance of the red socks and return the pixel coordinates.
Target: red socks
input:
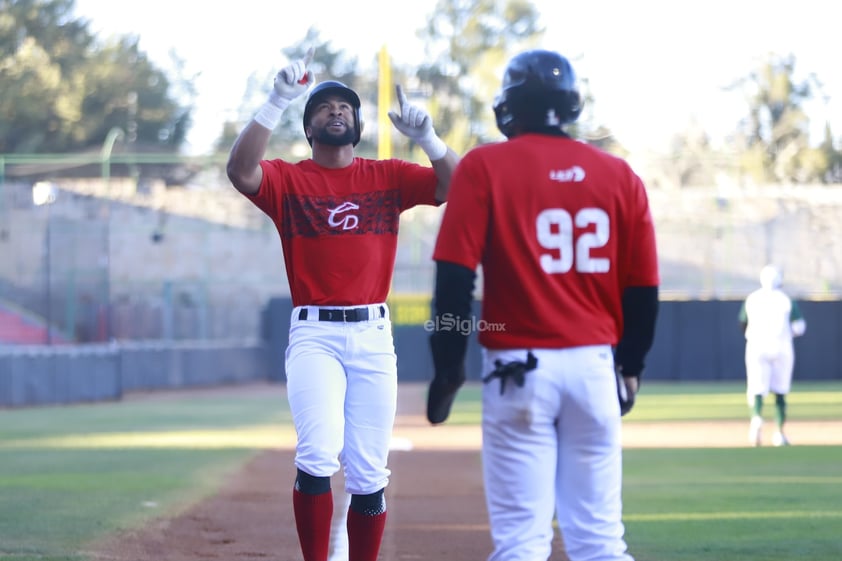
(364, 535)
(313, 514)
(313, 517)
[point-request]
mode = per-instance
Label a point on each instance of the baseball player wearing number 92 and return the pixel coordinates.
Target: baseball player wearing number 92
(337, 216)
(564, 234)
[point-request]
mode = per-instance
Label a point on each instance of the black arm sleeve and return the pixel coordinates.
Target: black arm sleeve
(451, 303)
(640, 310)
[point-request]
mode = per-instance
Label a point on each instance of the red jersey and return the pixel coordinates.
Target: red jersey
(339, 227)
(560, 228)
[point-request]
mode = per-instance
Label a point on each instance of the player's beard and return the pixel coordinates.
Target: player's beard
(323, 136)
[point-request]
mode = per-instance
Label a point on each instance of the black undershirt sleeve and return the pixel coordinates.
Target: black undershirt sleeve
(452, 300)
(640, 310)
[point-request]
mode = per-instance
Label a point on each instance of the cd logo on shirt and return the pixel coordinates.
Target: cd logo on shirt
(356, 214)
(340, 217)
(574, 174)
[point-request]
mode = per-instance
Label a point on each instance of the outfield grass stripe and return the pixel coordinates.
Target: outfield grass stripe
(753, 480)
(815, 397)
(739, 398)
(247, 437)
(746, 515)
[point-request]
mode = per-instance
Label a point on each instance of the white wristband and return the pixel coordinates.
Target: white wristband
(433, 146)
(269, 115)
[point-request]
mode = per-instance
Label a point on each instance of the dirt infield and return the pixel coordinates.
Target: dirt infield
(435, 500)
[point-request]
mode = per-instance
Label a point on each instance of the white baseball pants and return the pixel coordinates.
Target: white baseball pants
(551, 447)
(768, 368)
(342, 392)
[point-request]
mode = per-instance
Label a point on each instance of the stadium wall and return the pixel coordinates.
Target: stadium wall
(64, 374)
(699, 340)
(695, 341)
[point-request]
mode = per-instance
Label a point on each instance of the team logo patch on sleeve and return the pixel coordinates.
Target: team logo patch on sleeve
(364, 213)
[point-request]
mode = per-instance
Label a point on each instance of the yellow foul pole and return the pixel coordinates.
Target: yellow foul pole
(384, 100)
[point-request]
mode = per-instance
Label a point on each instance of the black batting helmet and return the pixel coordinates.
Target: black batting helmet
(336, 88)
(539, 93)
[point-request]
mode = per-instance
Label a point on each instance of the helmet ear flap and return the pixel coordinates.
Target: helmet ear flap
(572, 103)
(504, 117)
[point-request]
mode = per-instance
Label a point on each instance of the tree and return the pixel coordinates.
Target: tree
(832, 156)
(690, 161)
(61, 91)
(470, 42)
(773, 140)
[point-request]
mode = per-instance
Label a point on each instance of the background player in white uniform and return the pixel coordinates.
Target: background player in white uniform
(337, 216)
(567, 245)
(770, 319)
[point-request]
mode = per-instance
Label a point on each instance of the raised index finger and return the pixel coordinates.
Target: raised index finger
(308, 57)
(400, 94)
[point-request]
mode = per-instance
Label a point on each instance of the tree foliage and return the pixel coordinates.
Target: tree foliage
(62, 91)
(469, 42)
(773, 140)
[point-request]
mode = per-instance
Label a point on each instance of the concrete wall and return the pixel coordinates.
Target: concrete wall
(63, 374)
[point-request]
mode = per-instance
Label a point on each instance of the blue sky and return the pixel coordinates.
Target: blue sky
(654, 66)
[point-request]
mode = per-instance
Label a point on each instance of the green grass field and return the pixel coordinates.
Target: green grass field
(744, 504)
(70, 475)
(694, 401)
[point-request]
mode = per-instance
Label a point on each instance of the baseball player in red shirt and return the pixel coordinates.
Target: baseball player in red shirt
(337, 216)
(566, 242)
